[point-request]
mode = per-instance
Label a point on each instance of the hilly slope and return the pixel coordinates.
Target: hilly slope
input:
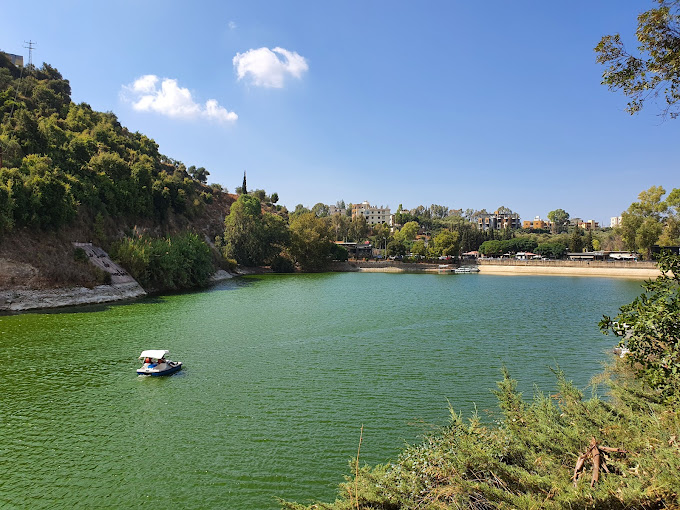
(69, 173)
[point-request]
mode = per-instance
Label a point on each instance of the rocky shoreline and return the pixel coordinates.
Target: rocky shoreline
(19, 300)
(25, 299)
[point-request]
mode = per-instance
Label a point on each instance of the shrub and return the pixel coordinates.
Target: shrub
(79, 255)
(650, 329)
(170, 263)
(282, 264)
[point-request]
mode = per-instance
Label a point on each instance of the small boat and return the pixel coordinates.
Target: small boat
(466, 269)
(156, 363)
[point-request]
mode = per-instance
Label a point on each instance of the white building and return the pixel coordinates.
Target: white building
(373, 215)
(615, 221)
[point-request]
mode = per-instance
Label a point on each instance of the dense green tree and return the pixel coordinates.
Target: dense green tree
(446, 244)
(171, 263)
(650, 328)
(408, 232)
(299, 209)
(396, 248)
(492, 248)
(671, 230)
(339, 253)
(419, 249)
(10, 151)
(576, 241)
(381, 234)
(645, 220)
(260, 194)
(439, 211)
(358, 228)
(310, 242)
(321, 210)
(340, 226)
(588, 241)
(519, 244)
(274, 198)
(200, 173)
(654, 73)
(559, 219)
(401, 218)
(282, 264)
(553, 250)
(250, 237)
(497, 247)
(6, 210)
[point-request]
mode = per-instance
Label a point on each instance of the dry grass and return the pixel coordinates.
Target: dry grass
(37, 259)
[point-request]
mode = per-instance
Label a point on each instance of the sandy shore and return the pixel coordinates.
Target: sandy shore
(609, 272)
(567, 269)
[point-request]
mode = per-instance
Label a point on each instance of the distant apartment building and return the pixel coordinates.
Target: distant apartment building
(498, 221)
(615, 221)
(332, 209)
(537, 224)
(17, 60)
(588, 225)
(373, 215)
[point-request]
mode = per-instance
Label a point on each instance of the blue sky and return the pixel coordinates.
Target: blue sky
(465, 104)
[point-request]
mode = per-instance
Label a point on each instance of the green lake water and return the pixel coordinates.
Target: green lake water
(280, 374)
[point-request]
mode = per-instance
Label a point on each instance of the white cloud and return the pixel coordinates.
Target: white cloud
(269, 68)
(172, 100)
(232, 25)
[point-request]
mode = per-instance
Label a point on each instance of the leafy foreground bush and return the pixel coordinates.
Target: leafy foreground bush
(528, 459)
(650, 330)
(169, 263)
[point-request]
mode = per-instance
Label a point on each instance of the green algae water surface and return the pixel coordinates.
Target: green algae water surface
(280, 374)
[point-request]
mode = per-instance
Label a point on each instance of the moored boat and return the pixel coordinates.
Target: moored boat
(156, 363)
(466, 269)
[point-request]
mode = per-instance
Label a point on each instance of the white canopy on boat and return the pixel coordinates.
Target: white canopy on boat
(154, 353)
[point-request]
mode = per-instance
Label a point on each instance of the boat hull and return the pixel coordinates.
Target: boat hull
(155, 373)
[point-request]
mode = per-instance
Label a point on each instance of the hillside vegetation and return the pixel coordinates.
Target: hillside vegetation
(70, 173)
